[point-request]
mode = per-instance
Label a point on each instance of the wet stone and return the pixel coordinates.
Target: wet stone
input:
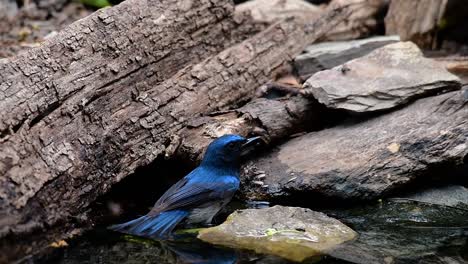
(290, 232)
(451, 195)
(404, 231)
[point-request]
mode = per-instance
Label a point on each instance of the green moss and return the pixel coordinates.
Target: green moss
(96, 3)
(443, 23)
(193, 231)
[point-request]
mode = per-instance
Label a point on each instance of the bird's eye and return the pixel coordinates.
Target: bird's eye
(231, 145)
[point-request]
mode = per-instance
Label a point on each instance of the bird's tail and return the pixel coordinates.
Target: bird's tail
(157, 226)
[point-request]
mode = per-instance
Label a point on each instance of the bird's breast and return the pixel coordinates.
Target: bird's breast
(205, 213)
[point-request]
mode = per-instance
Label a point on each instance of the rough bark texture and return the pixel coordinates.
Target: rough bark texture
(92, 122)
(363, 21)
(60, 100)
(365, 160)
(415, 20)
(108, 45)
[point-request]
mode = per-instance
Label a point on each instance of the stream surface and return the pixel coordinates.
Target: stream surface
(390, 231)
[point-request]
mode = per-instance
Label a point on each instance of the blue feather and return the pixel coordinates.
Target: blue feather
(158, 226)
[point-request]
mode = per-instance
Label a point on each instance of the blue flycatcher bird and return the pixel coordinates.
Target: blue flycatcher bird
(197, 197)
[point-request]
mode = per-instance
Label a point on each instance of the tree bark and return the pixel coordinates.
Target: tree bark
(364, 21)
(109, 45)
(61, 99)
(100, 112)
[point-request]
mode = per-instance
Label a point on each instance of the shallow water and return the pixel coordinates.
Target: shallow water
(392, 231)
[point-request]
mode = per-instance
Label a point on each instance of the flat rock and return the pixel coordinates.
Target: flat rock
(369, 159)
(326, 55)
(451, 195)
(290, 232)
(383, 79)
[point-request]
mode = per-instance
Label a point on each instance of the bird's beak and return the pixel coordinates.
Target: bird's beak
(249, 145)
(250, 142)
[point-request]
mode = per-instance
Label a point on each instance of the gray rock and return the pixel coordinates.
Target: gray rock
(326, 55)
(452, 195)
(385, 78)
(290, 232)
(366, 160)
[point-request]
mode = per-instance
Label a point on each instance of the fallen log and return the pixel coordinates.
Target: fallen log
(59, 161)
(47, 94)
(109, 45)
(365, 160)
(365, 19)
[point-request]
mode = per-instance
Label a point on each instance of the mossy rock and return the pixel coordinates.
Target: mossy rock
(290, 232)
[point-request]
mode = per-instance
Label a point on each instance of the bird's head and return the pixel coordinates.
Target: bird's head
(226, 150)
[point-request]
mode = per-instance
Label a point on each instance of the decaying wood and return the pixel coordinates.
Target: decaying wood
(363, 21)
(366, 160)
(415, 20)
(107, 46)
(51, 132)
(90, 124)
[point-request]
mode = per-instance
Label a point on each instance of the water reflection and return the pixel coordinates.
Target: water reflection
(198, 252)
(103, 246)
(389, 232)
(402, 231)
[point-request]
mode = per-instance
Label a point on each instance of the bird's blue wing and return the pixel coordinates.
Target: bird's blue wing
(188, 193)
